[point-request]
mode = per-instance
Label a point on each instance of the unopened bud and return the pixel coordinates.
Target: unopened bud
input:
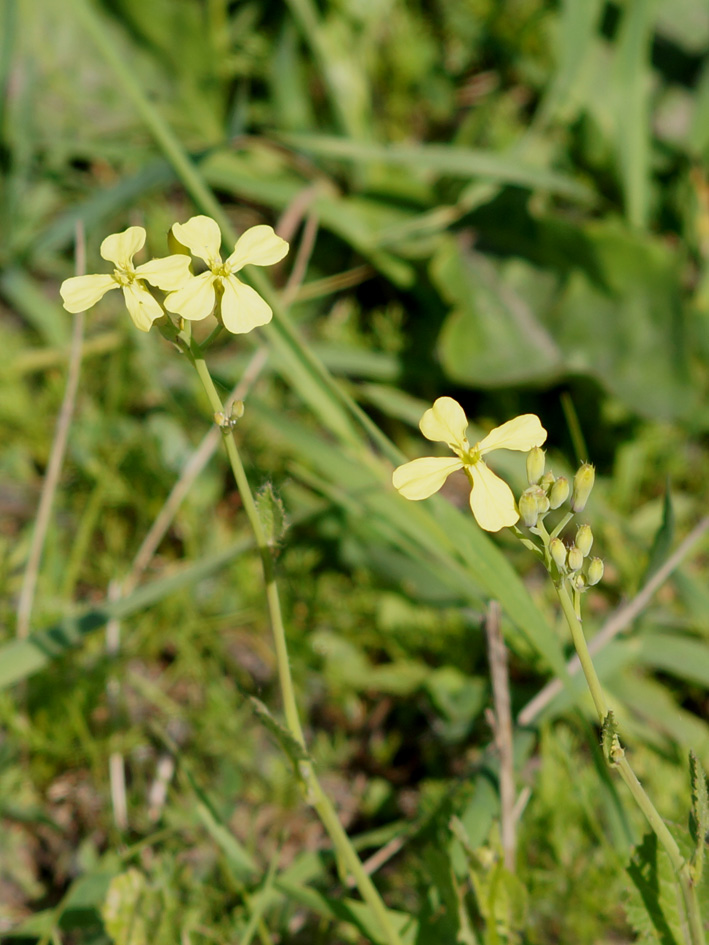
(559, 492)
(557, 549)
(595, 570)
(584, 539)
(579, 581)
(583, 483)
(535, 465)
(542, 502)
(575, 558)
(547, 480)
(528, 508)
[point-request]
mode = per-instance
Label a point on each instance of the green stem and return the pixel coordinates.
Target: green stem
(694, 932)
(314, 792)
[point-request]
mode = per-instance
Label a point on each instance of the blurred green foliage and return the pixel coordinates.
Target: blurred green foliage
(510, 204)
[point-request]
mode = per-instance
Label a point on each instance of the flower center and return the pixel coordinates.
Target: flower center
(124, 276)
(471, 456)
(220, 269)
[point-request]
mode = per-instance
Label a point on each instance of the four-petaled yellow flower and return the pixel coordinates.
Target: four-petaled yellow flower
(491, 499)
(241, 307)
(81, 292)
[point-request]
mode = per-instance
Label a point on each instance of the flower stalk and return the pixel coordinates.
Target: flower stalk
(311, 785)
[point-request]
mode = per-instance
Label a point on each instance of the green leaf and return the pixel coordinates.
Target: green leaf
(443, 160)
(652, 905)
(272, 514)
(699, 816)
(632, 113)
(493, 334)
(21, 658)
(131, 910)
(662, 542)
(290, 745)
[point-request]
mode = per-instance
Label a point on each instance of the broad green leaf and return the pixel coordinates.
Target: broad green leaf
(493, 335)
(617, 318)
(652, 903)
(130, 910)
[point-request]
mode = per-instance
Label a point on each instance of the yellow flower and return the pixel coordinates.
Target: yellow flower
(491, 499)
(241, 307)
(81, 292)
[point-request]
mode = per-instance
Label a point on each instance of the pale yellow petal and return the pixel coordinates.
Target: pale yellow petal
(142, 307)
(119, 248)
(202, 236)
(491, 500)
(81, 292)
(522, 433)
(243, 308)
(168, 273)
(195, 300)
(422, 477)
(259, 246)
(445, 422)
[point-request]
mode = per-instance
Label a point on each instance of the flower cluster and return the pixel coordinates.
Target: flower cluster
(193, 297)
(546, 493)
(491, 499)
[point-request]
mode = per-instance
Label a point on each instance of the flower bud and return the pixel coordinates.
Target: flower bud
(559, 492)
(542, 502)
(579, 581)
(528, 508)
(535, 465)
(583, 483)
(558, 552)
(595, 570)
(547, 480)
(575, 558)
(584, 539)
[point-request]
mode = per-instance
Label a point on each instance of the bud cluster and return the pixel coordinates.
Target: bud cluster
(546, 493)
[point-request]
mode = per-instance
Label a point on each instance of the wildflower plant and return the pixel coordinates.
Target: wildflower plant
(570, 567)
(190, 297)
(195, 282)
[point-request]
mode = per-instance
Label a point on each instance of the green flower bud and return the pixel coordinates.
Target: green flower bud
(575, 558)
(579, 581)
(535, 465)
(528, 508)
(595, 570)
(541, 497)
(559, 492)
(583, 483)
(584, 539)
(547, 481)
(557, 549)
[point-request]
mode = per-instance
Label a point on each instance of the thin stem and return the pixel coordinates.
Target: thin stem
(694, 931)
(314, 792)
